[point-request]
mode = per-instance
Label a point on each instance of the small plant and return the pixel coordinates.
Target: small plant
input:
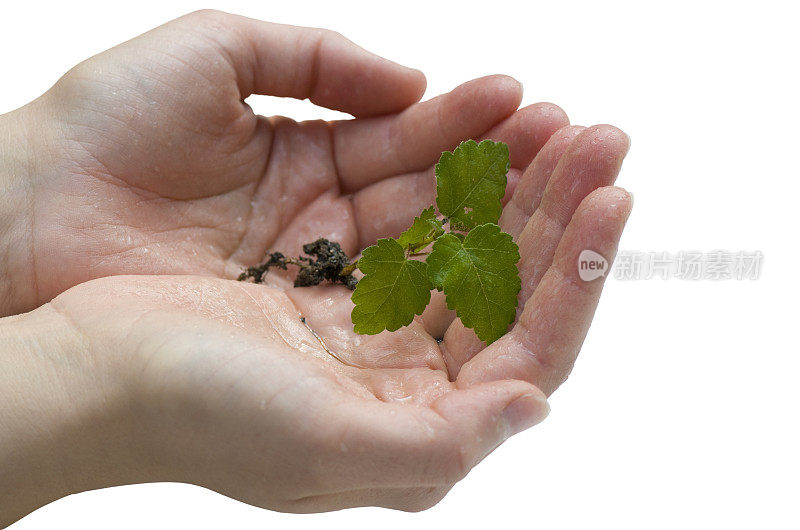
(463, 253)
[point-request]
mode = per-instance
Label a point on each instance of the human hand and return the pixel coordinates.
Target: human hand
(145, 160)
(367, 192)
(219, 383)
(267, 395)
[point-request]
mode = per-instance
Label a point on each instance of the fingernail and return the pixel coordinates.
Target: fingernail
(525, 412)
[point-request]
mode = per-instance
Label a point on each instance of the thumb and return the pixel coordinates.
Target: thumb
(298, 62)
(487, 414)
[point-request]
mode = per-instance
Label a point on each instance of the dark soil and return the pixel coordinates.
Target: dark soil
(324, 260)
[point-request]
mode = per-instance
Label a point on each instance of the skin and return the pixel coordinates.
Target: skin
(145, 160)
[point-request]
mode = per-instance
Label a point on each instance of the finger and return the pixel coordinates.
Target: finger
(370, 150)
(483, 416)
(591, 160)
(542, 347)
(528, 192)
(298, 62)
(399, 445)
(525, 131)
(405, 499)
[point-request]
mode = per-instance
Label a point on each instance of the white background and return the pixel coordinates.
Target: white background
(682, 411)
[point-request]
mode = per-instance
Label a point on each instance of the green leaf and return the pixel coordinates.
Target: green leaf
(393, 289)
(471, 182)
(479, 278)
(423, 231)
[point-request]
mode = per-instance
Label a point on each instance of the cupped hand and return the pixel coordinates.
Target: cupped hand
(146, 160)
(152, 164)
(225, 386)
(266, 394)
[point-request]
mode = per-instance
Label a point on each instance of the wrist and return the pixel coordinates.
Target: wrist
(67, 419)
(17, 167)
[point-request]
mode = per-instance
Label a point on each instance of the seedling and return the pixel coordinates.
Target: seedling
(462, 252)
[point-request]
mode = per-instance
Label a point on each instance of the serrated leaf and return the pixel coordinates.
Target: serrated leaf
(471, 182)
(424, 228)
(393, 289)
(479, 278)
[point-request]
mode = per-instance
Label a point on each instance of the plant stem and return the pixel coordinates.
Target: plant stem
(349, 269)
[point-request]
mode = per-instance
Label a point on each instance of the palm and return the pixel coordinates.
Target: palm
(190, 180)
(206, 323)
(200, 185)
(177, 175)
(260, 409)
